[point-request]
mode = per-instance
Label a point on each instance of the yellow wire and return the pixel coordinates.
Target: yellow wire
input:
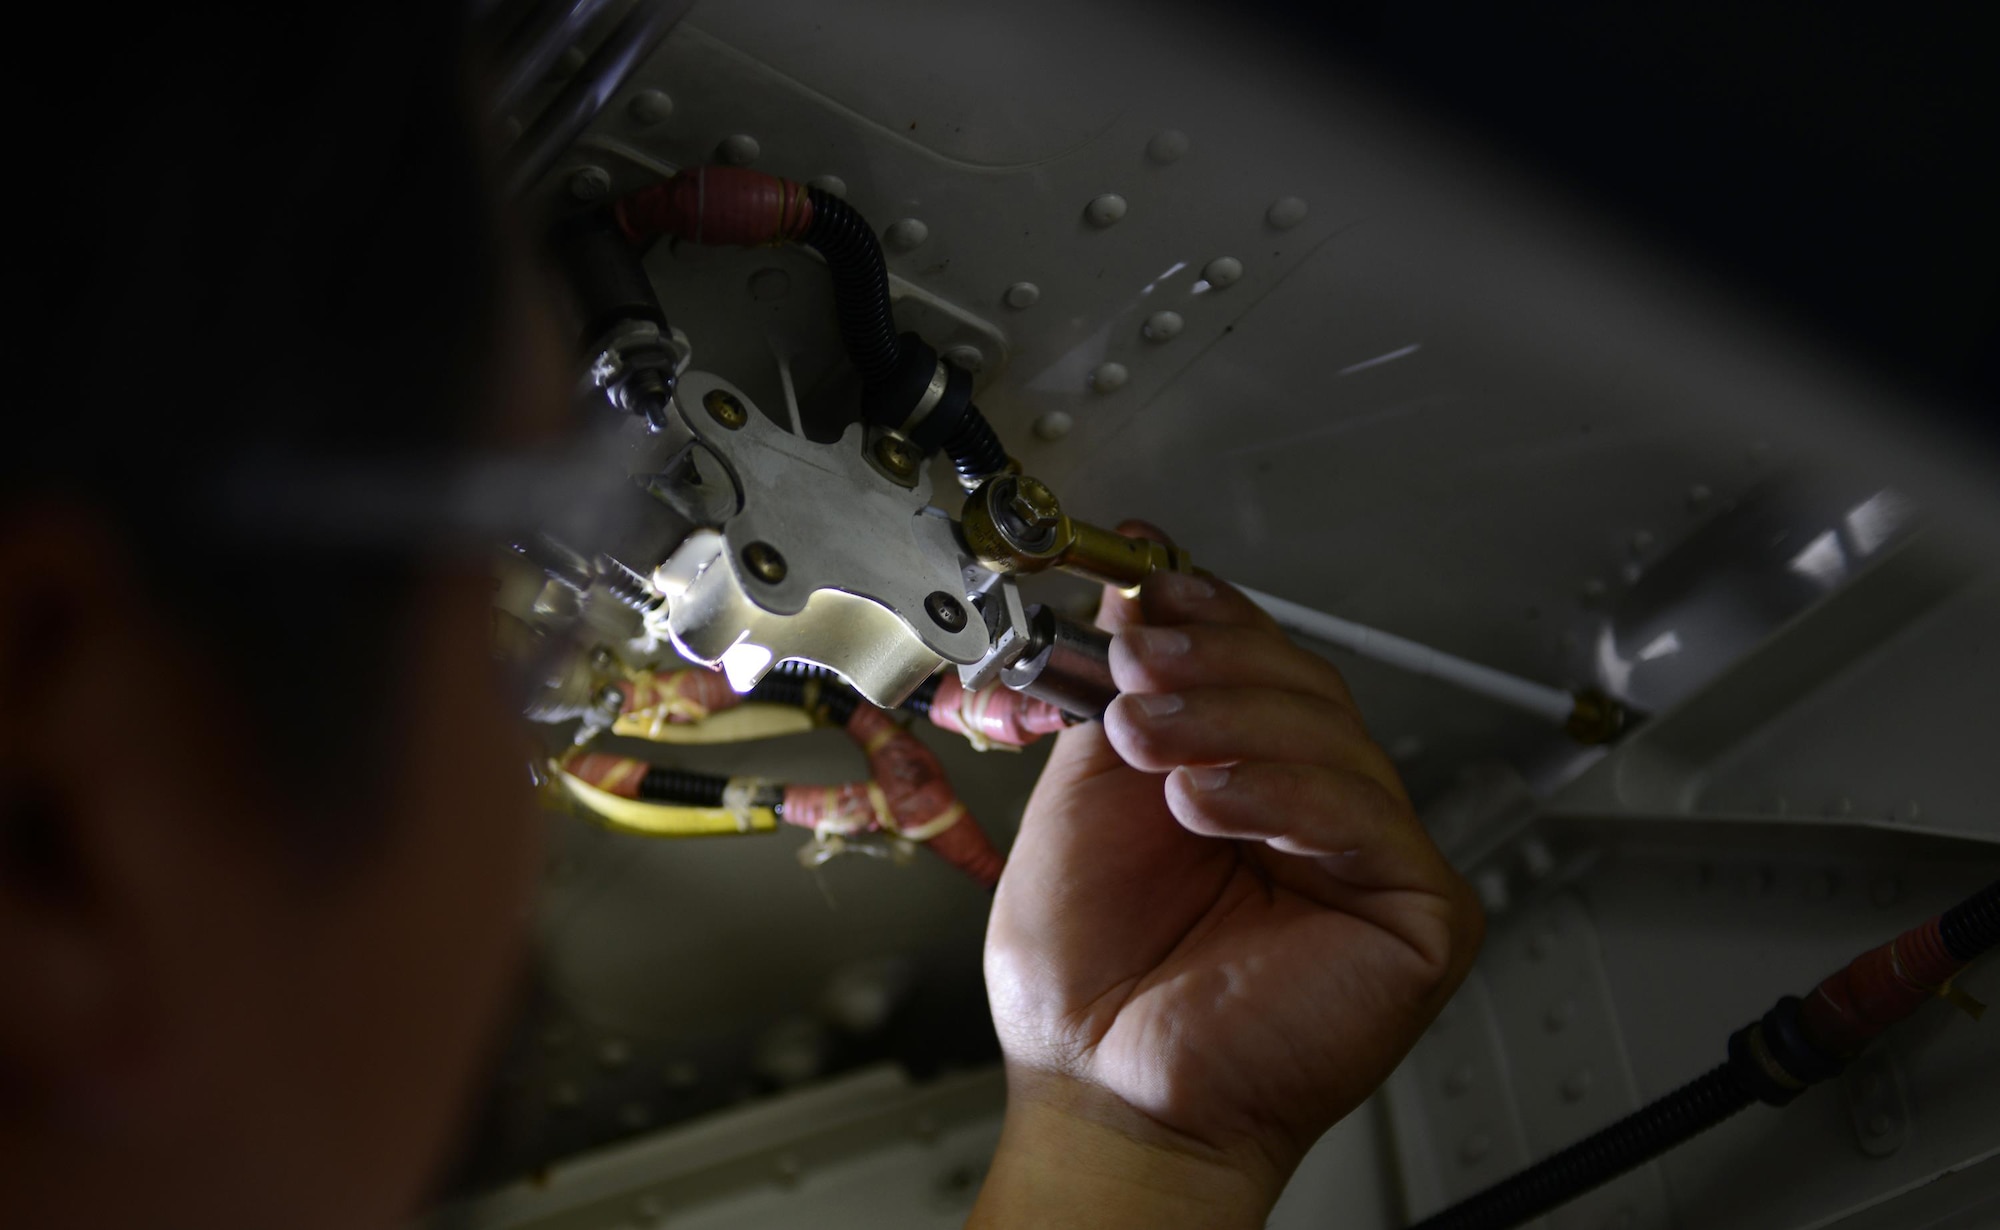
(665, 819)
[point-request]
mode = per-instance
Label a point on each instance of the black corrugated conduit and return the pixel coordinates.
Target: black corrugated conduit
(1797, 1044)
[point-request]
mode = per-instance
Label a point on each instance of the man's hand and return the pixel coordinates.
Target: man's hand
(1220, 928)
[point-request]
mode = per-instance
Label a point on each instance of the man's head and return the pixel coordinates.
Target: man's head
(264, 823)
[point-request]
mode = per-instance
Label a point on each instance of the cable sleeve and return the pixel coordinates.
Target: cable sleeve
(853, 255)
(975, 451)
(1972, 927)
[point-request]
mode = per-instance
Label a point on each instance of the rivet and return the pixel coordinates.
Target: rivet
(590, 183)
(1109, 377)
(905, 234)
(1286, 212)
(832, 185)
(1842, 806)
(1474, 1148)
(1886, 891)
(1105, 210)
(971, 358)
(1022, 295)
(770, 284)
(739, 150)
(764, 562)
(1162, 326)
(1053, 426)
(1911, 811)
(1631, 572)
(1642, 541)
(1559, 1015)
(1167, 145)
(635, 1115)
(650, 107)
(1222, 271)
(1698, 497)
(1458, 1081)
(1592, 591)
(1575, 1086)
(613, 1052)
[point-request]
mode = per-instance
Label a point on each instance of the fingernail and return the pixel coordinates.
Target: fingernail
(1158, 642)
(1185, 586)
(1205, 779)
(1158, 704)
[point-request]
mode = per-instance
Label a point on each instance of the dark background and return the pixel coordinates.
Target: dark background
(1836, 161)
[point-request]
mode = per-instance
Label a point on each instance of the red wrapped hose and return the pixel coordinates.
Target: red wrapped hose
(920, 800)
(725, 206)
(993, 714)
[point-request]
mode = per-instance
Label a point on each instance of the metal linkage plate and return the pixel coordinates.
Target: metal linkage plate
(827, 559)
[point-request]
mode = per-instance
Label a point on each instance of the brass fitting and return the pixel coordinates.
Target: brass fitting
(1015, 524)
(1596, 719)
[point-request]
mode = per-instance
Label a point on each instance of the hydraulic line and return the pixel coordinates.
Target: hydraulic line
(1797, 1044)
(1590, 717)
(580, 101)
(904, 385)
(550, 33)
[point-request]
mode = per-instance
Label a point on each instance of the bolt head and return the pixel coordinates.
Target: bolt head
(725, 409)
(1035, 504)
(764, 562)
(897, 455)
(945, 611)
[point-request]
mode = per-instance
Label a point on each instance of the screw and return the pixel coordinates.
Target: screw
(764, 562)
(946, 611)
(896, 456)
(723, 407)
(1034, 504)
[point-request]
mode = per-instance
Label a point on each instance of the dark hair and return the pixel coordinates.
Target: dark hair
(262, 232)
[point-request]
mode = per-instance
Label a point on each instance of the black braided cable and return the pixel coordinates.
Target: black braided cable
(920, 700)
(860, 284)
(1637, 1138)
(1972, 926)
